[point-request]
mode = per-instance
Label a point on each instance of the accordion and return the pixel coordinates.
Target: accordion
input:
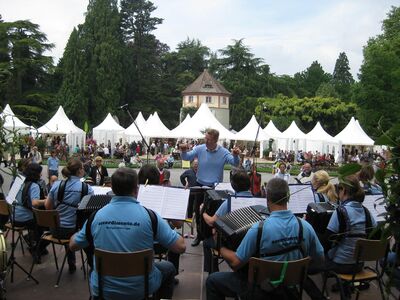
(88, 205)
(212, 201)
(234, 226)
(319, 214)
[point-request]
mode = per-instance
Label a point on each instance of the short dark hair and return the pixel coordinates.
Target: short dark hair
(213, 132)
(278, 191)
(32, 172)
(149, 174)
(124, 182)
(240, 181)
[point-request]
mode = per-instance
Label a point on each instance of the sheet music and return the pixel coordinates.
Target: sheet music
(12, 194)
(168, 202)
(224, 186)
(375, 206)
(100, 190)
(300, 196)
(240, 202)
(175, 203)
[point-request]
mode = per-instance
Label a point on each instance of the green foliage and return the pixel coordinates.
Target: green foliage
(310, 80)
(378, 92)
(342, 79)
(333, 113)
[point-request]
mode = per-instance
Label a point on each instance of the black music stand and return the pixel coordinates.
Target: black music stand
(126, 109)
(12, 261)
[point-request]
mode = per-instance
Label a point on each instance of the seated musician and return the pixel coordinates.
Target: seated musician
(324, 189)
(65, 196)
(132, 236)
(279, 231)
(349, 222)
(306, 174)
(149, 174)
(240, 182)
(30, 195)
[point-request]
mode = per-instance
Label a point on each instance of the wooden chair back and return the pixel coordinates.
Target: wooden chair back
(4, 208)
(370, 250)
(47, 218)
(124, 264)
(260, 269)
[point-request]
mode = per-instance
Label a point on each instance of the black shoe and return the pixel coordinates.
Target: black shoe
(196, 242)
(71, 268)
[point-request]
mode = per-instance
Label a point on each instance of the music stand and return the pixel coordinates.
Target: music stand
(126, 109)
(19, 180)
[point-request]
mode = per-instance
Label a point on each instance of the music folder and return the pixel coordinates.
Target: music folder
(168, 202)
(376, 206)
(16, 186)
(240, 202)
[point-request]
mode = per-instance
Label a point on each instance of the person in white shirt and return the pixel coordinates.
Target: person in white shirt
(282, 172)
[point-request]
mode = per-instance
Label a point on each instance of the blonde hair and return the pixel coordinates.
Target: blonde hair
(325, 186)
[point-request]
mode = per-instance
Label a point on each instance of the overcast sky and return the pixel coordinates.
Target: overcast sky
(288, 35)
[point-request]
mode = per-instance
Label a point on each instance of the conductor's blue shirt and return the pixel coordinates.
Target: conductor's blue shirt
(211, 163)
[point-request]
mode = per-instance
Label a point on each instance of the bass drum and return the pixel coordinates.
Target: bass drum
(3, 253)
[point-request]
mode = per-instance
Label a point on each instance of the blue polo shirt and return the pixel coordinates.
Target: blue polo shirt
(211, 163)
(133, 233)
(343, 252)
(280, 230)
(72, 198)
(52, 163)
(223, 209)
(23, 214)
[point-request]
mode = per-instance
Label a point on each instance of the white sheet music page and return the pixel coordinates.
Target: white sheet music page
(100, 190)
(300, 197)
(375, 206)
(240, 202)
(224, 186)
(175, 203)
(151, 196)
(12, 194)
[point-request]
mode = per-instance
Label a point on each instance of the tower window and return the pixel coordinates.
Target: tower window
(223, 100)
(208, 86)
(208, 99)
(190, 99)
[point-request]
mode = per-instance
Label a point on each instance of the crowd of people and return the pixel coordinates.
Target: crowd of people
(280, 237)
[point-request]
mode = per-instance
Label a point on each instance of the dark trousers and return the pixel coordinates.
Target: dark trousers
(210, 262)
(34, 234)
(64, 234)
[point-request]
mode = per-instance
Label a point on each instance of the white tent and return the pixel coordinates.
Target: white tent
(59, 124)
(155, 127)
(131, 133)
(319, 140)
(354, 135)
(292, 138)
(249, 132)
(13, 123)
(183, 130)
(272, 133)
(108, 130)
(203, 119)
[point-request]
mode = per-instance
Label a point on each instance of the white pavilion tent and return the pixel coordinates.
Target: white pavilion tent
(155, 128)
(272, 133)
(131, 133)
(203, 119)
(59, 124)
(354, 135)
(108, 130)
(13, 123)
(249, 132)
(292, 138)
(319, 140)
(183, 130)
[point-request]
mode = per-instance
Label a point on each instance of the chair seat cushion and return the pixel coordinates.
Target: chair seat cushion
(362, 275)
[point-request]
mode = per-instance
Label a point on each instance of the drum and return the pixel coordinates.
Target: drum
(3, 253)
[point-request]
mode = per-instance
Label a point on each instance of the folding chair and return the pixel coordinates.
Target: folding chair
(366, 250)
(278, 273)
(123, 264)
(51, 219)
(5, 211)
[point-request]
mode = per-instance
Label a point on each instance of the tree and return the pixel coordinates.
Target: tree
(342, 79)
(25, 70)
(93, 65)
(310, 80)
(326, 90)
(378, 92)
